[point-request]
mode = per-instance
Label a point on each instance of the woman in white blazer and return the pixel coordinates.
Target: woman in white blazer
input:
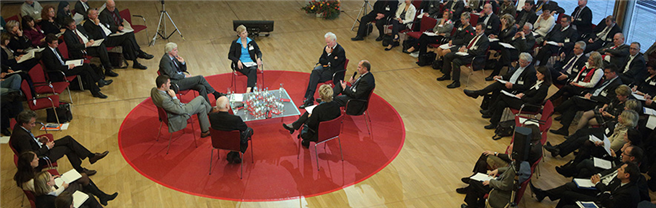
(405, 15)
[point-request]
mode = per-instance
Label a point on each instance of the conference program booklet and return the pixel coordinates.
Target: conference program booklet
(482, 177)
(584, 183)
(97, 43)
(587, 204)
(76, 62)
(79, 198)
(68, 177)
(509, 94)
(601, 163)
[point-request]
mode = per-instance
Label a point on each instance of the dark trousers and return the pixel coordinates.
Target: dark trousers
(396, 26)
(251, 73)
(197, 83)
(128, 48)
(569, 193)
(340, 99)
(133, 40)
(101, 52)
(476, 193)
(566, 92)
(555, 73)
(245, 135)
(362, 29)
(545, 53)
(503, 102)
(72, 149)
(596, 45)
(319, 74)
(424, 41)
(452, 62)
(569, 108)
(89, 76)
(507, 56)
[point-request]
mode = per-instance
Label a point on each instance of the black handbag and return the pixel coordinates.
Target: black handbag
(426, 59)
(504, 129)
(63, 112)
(486, 101)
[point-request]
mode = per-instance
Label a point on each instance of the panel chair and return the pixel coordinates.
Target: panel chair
(351, 109)
(328, 130)
(335, 77)
(235, 75)
(427, 23)
(180, 92)
(37, 103)
(231, 141)
(164, 118)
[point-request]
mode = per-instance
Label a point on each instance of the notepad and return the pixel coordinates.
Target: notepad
(584, 183)
(237, 98)
(249, 64)
(309, 109)
(638, 97)
(552, 43)
(445, 46)
(481, 177)
(493, 39)
(430, 33)
(506, 45)
(601, 163)
(651, 122)
(79, 198)
(587, 204)
(68, 177)
(501, 81)
(509, 94)
(97, 43)
(76, 62)
(462, 53)
(649, 111)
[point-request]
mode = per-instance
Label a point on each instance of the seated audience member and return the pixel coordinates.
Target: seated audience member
(602, 35)
(23, 140)
(523, 42)
(405, 14)
(82, 8)
(563, 35)
(568, 67)
(49, 25)
(543, 25)
(175, 67)
(548, 4)
(10, 58)
(382, 12)
(508, 7)
(452, 61)
(455, 6)
(582, 17)
(490, 20)
(31, 8)
(45, 191)
(616, 53)
(473, 6)
(609, 112)
(33, 32)
(463, 34)
(10, 100)
(111, 18)
(587, 100)
(507, 35)
(442, 30)
(635, 67)
(587, 77)
(221, 119)
(9, 83)
(646, 86)
(64, 200)
(583, 166)
(533, 97)
(55, 62)
(97, 31)
(79, 44)
(178, 113)
(325, 111)
(613, 188)
(526, 15)
(430, 8)
(63, 12)
(245, 51)
(332, 59)
(517, 80)
(650, 54)
(360, 88)
(19, 42)
(615, 132)
(28, 167)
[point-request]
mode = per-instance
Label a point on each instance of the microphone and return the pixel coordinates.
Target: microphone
(355, 73)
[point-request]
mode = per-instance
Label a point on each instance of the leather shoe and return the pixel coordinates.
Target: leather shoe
(465, 180)
(454, 84)
(103, 199)
(305, 144)
(89, 172)
(539, 194)
(307, 103)
(110, 73)
(484, 112)
(490, 78)
(487, 115)
(97, 156)
(491, 126)
(462, 190)
(560, 131)
(379, 38)
(558, 118)
(5, 132)
(289, 128)
(145, 55)
(463, 206)
(552, 149)
(100, 95)
(471, 93)
(137, 65)
(102, 82)
(204, 134)
(444, 77)
(357, 38)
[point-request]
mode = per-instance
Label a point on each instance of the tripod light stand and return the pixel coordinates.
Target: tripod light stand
(363, 12)
(161, 26)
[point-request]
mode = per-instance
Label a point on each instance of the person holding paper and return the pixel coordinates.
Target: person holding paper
(46, 191)
(178, 113)
(587, 78)
(112, 19)
(442, 34)
(563, 35)
(82, 8)
(507, 35)
(54, 62)
(477, 46)
(646, 86)
(405, 14)
(609, 112)
(531, 99)
(19, 42)
(175, 67)
(382, 13)
(614, 190)
(522, 41)
(48, 23)
(98, 31)
(28, 167)
(246, 56)
(499, 189)
(568, 67)
(332, 60)
(602, 35)
(464, 33)
(10, 60)
(617, 53)
(630, 152)
(221, 119)
(325, 111)
(80, 44)
(33, 32)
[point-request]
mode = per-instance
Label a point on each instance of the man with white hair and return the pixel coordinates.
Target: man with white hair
(175, 67)
(111, 18)
(99, 31)
(332, 60)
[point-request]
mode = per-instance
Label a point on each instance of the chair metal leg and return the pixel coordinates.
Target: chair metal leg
(211, 158)
(340, 147)
(160, 131)
(366, 114)
(69, 94)
(316, 155)
(168, 148)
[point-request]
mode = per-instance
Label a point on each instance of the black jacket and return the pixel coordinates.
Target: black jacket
(462, 35)
(106, 18)
(619, 54)
(493, 25)
(618, 196)
(637, 69)
(577, 66)
(608, 92)
(526, 80)
(526, 16)
(608, 39)
(337, 60)
(386, 7)
(552, 5)
(524, 44)
(568, 37)
(79, 9)
(584, 21)
(323, 112)
(432, 7)
(225, 121)
(75, 47)
(235, 51)
(457, 8)
(507, 34)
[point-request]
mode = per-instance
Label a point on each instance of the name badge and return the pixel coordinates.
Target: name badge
(566, 40)
(652, 83)
(609, 40)
(489, 27)
(460, 29)
(474, 47)
(250, 48)
(520, 82)
(584, 74)
(603, 93)
(607, 131)
(578, 19)
(387, 8)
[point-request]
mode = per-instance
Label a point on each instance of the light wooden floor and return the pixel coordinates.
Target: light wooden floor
(444, 131)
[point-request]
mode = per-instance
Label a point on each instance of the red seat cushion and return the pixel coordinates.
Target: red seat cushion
(44, 102)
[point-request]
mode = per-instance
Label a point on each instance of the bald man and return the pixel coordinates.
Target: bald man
(221, 119)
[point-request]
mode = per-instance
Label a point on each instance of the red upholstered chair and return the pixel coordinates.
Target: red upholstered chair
(473, 19)
(235, 74)
(342, 72)
(427, 23)
(50, 164)
(231, 141)
(37, 103)
(137, 28)
(63, 49)
(15, 17)
(45, 86)
(30, 197)
(164, 118)
(328, 130)
(360, 112)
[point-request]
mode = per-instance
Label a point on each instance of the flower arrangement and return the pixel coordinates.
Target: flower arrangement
(329, 9)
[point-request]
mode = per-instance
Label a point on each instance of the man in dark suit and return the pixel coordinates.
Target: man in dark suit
(175, 67)
(526, 15)
(112, 19)
(617, 53)
(81, 7)
(456, 7)
(452, 61)
(551, 5)
(429, 8)
(99, 31)
(635, 67)
(491, 22)
(54, 62)
(523, 41)
(602, 35)
(600, 95)
(569, 66)
(23, 140)
(582, 17)
(79, 44)
(383, 11)
(221, 119)
(360, 88)
(563, 35)
(332, 60)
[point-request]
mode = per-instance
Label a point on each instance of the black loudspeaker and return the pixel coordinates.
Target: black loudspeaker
(521, 144)
(254, 27)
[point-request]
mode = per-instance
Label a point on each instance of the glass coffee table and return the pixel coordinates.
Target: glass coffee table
(264, 104)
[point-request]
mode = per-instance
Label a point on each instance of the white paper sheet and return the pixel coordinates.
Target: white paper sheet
(651, 122)
(76, 62)
(506, 45)
(552, 43)
(584, 183)
(79, 198)
(481, 177)
(601, 163)
(462, 53)
(445, 46)
(638, 97)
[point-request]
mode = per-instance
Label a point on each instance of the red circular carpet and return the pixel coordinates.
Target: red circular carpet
(276, 174)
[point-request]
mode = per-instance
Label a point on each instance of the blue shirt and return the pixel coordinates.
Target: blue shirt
(245, 56)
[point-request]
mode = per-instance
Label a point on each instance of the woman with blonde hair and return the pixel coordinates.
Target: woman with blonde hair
(246, 56)
(587, 78)
(325, 111)
(46, 191)
(608, 112)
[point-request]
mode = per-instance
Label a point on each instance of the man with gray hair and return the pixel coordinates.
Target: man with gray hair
(111, 18)
(330, 67)
(568, 67)
(175, 67)
(635, 67)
